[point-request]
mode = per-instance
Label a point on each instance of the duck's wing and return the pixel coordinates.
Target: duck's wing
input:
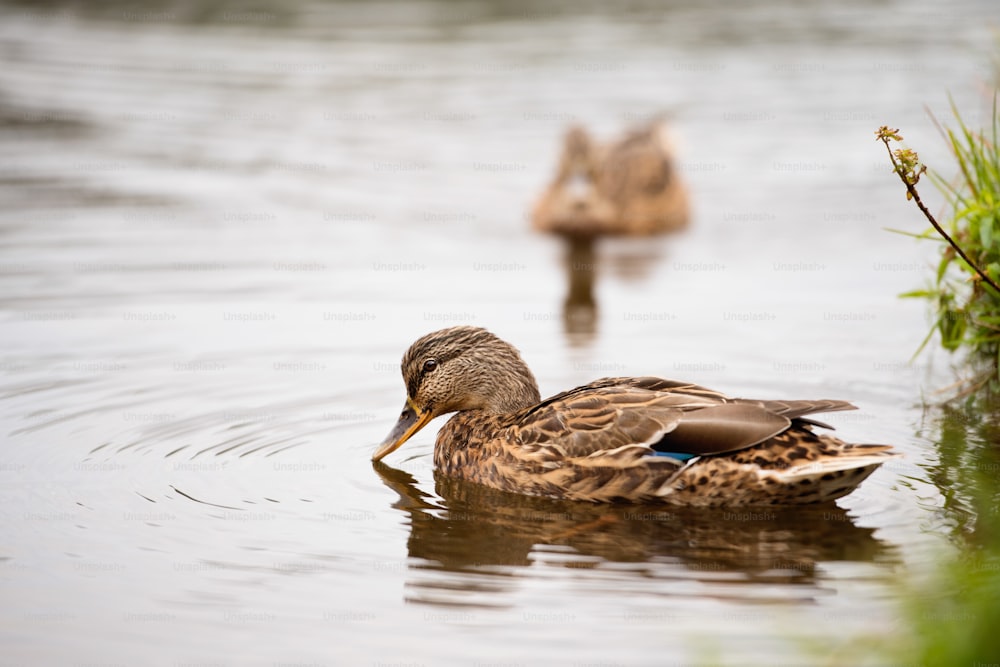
(641, 164)
(798, 409)
(631, 417)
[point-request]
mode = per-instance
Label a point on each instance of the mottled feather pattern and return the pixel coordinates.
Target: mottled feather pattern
(594, 443)
(602, 441)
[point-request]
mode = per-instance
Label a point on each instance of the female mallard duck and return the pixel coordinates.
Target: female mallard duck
(635, 439)
(630, 188)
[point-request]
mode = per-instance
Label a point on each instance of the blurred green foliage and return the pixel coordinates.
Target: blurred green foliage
(953, 616)
(954, 619)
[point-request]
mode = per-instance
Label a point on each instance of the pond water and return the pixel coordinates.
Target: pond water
(221, 228)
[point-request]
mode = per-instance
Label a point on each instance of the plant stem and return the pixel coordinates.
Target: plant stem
(912, 190)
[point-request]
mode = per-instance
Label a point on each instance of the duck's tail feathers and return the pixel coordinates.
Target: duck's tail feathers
(832, 477)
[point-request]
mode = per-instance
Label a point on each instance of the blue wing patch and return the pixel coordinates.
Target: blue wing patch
(675, 455)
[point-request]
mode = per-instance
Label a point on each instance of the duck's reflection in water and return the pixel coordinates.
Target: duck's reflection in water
(629, 259)
(474, 530)
(580, 306)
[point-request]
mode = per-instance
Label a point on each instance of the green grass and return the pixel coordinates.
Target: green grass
(963, 293)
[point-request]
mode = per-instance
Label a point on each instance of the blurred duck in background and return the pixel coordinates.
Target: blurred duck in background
(629, 188)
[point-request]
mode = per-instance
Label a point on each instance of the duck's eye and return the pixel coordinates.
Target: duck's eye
(430, 365)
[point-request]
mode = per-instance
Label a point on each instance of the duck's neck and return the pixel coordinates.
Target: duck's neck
(513, 393)
(499, 381)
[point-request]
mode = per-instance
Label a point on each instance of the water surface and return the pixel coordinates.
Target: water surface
(219, 232)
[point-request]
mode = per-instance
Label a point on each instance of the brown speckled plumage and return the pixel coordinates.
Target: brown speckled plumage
(599, 442)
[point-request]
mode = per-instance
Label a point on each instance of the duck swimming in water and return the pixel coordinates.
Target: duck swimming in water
(628, 188)
(625, 439)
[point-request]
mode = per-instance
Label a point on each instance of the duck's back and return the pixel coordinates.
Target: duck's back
(651, 439)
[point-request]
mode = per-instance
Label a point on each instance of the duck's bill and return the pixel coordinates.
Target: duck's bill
(411, 421)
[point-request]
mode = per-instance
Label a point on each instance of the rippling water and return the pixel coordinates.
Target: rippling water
(221, 228)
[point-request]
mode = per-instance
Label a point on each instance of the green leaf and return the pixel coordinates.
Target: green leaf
(942, 269)
(951, 325)
(922, 345)
(986, 231)
(922, 236)
(993, 271)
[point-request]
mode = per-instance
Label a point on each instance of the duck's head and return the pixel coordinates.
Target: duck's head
(578, 160)
(457, 369)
